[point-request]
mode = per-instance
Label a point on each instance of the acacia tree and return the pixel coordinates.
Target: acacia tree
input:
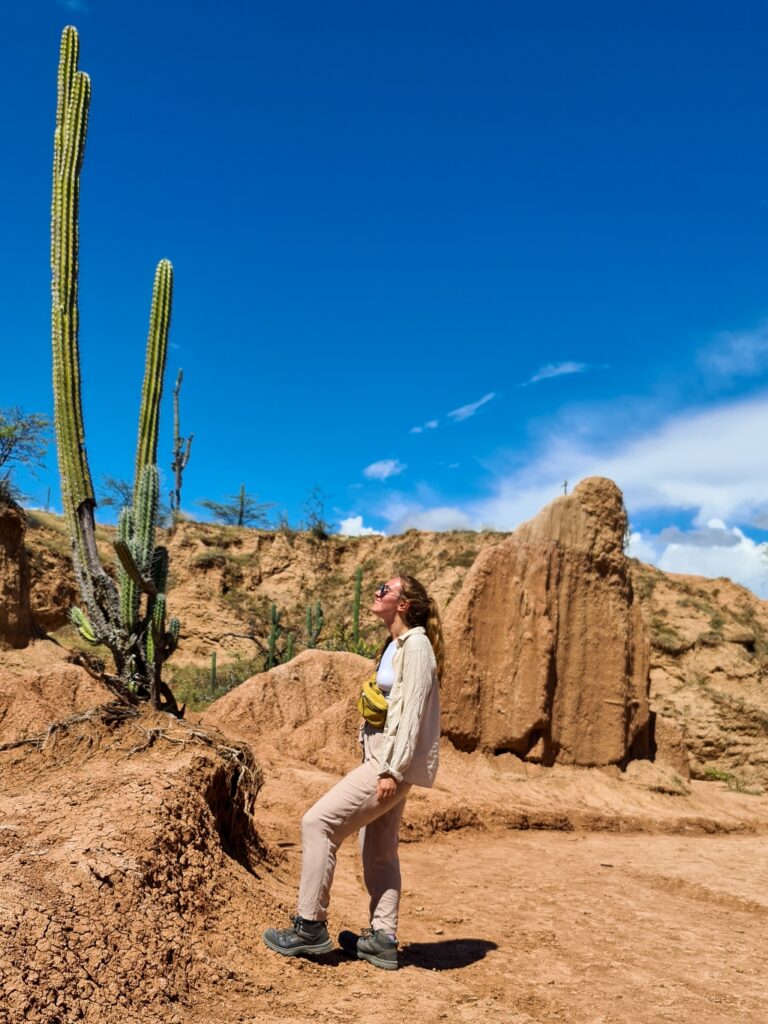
(23, 442)
(241, 509)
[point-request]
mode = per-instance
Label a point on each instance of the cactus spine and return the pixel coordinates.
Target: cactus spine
(356, 605)
(181, 449)
(139, 641)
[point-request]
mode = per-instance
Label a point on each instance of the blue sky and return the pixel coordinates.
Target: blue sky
(434, 257)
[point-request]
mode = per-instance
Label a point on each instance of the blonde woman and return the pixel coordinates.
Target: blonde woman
(370, 799)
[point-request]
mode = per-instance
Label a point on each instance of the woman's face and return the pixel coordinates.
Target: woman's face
(386, 599)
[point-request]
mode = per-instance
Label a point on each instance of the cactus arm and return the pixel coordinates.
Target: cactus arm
(73, 101)
(129, 593)
(144, 583)
(80, 619)
(154, 370)
(74, 93)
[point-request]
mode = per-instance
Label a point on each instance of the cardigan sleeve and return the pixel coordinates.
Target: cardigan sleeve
(417, 679)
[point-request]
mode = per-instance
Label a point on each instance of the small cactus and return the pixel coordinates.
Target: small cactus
(314, 624)
(356, 605)
(274, 635)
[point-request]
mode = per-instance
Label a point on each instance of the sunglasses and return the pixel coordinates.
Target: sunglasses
(383, 590)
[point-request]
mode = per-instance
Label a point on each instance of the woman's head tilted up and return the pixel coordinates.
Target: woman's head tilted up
(402, 603)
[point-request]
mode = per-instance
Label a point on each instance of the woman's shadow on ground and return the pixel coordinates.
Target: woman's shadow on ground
(447, 955)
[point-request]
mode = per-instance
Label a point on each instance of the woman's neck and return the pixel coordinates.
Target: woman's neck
(398, 627)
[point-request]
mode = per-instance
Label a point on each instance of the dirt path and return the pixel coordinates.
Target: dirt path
(522, 927)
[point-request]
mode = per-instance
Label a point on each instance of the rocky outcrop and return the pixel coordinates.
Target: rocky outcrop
(547, 651)
(305, 709)
(15, 620)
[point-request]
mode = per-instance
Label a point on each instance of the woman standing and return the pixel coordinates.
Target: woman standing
(371, 798)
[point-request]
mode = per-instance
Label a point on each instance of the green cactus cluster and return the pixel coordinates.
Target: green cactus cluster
(130, 618)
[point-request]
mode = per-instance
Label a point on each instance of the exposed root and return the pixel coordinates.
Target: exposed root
(107, 714)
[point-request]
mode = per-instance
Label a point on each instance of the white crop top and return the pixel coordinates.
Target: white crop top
(385, 674)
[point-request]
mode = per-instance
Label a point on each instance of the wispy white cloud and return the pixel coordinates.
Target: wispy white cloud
(384, 469)
(555, 370)
(353, 527)
(465, 411)
(737, 353)
(429, 425)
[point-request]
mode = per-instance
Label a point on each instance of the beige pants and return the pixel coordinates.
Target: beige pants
(349, 806)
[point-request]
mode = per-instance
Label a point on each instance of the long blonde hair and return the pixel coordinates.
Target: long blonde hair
(423, 611)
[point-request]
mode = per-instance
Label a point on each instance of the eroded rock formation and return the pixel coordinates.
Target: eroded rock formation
(15, 621)
(547, 652)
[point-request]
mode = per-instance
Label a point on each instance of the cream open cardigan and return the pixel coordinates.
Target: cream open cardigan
(411, 746)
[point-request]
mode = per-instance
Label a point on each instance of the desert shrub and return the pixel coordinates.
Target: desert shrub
(192, 684)
(665, 637)
(645, 586)
(463, 559)
(213, 559)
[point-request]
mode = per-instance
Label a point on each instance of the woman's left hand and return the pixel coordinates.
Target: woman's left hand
(386, 788)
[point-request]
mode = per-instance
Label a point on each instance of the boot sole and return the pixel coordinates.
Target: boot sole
(306, 950)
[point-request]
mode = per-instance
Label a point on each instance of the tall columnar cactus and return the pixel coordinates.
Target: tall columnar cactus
(356, 605)
(130, 618)
(182, 448)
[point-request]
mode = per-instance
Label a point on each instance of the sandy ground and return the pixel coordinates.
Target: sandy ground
(520, 927)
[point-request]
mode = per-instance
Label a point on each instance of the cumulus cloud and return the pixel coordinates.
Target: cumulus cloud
(555, 370)
(432, 424)
(383, 469)
(417, 430)
(715, 550)
(465, 411)
(737, 353)
(417, 517)
(353, 527)
(705, 462)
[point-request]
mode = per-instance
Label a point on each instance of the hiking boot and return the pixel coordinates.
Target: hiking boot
(303, 938)
(372, 945)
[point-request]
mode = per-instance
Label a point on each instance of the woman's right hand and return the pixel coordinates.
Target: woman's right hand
(386, 789)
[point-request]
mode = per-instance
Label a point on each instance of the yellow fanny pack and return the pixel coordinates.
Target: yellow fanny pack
(372, 704)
